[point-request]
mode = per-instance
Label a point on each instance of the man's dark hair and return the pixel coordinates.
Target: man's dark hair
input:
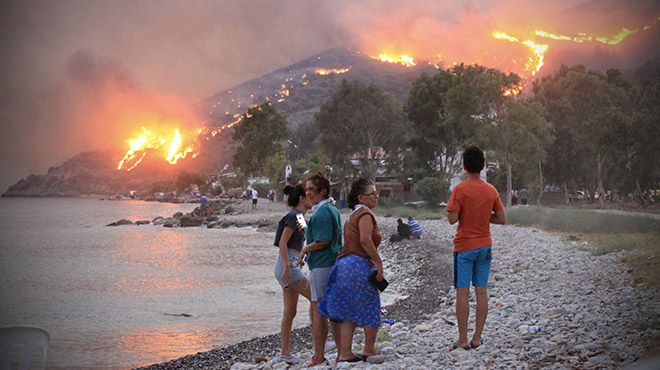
(473, 159)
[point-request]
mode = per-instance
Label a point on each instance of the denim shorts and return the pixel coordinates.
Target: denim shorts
(318, 280)
(472, 265)
(296, 273)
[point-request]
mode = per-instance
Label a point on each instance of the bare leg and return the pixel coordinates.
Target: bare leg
(290, 310)
(291, 295)
(370, 335)
(345, 343)
(481, 314)
(462, 314)
(319, 331)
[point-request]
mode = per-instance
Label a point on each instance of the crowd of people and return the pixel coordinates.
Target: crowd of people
(346, 271)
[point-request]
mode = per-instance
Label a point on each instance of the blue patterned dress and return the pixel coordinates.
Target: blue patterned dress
(349, 296)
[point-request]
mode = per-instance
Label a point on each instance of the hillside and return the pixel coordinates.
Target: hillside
(297, 91)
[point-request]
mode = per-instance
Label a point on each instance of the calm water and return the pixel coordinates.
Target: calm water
(111, 297)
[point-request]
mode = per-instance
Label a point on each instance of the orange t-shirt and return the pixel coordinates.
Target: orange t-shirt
(474, 200)
(352, 243)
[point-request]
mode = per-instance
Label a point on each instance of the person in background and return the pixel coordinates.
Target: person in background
(514, 196)
(290, 241)
(474, 204)
(523, 196)
(402, 231)
(350, 298)
(324, 242)
(202, 205)
(255, 198)
(415, 227)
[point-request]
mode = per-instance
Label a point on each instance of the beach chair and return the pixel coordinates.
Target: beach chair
(18, 347)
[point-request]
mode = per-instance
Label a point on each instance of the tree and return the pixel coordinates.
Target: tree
(433, 190)
(260, 133)
(360, 123)
(184, 179)
(519, 134)
(597, 111)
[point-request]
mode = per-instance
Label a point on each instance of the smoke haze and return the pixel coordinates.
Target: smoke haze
(80, 75)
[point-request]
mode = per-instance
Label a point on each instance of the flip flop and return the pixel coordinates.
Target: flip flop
(313, 362)
(454, 346)
(473, 346)
(354, 359)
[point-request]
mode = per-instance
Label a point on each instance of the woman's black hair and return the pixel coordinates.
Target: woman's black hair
(357, 188)
(294, 193)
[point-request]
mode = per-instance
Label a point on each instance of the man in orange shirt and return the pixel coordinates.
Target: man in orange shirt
(474, 204)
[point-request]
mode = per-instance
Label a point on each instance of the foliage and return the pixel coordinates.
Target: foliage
(433, 190)
(185, 179)
(262, 189)
(260, 132)
(275, 166)
(360, 127)
(229, 182)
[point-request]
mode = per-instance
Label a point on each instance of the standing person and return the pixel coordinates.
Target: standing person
(514, 196)
(255, 197)
(324, 242)
(202, 205)
(523, 196)
(290, 240)
(475, 204)
(415, 227)
(350, 298)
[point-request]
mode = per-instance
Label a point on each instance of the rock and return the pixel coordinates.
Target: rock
(121, 222)
(190, 221)
(158, 220)
(142, 222)
(177, 215)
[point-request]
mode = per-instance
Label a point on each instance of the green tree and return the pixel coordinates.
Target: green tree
(433, 190)
(596, 112)
(185, 179)
(360, 123)
(260, 133)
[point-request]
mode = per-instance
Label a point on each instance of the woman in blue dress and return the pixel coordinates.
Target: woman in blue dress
(350, 298)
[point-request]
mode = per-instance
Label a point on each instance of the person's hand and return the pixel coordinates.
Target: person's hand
(301, 259)
(300, 226)
(286, 275)
(379, 275)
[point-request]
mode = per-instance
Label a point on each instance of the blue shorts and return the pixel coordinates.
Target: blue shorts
(472, 265)
(296, 273)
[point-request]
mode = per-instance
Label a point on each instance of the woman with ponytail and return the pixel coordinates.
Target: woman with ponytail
(290, 241)
(350, 298)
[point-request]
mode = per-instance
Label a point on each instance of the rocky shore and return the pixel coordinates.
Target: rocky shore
(591, 312)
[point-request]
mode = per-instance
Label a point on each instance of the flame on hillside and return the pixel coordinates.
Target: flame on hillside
(513, 48)
(325, 72)
(406, 60)
(170, 143)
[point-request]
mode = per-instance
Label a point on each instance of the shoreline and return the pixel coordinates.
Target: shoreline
(592, 312)
(419, 269)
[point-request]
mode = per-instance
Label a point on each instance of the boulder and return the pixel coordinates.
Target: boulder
(177, 215)
(142, 222)
(189, 221)
(171, 222)
(121, 222)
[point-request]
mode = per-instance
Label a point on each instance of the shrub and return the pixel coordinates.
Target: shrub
(433, 190)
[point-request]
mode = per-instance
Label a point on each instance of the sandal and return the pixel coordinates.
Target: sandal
(313, 362)
(354, 359)
(454, 346)
(473, 346)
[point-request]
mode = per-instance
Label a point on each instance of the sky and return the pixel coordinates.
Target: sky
(72, 70)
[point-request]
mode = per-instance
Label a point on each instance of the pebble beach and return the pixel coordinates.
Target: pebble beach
(591, 312)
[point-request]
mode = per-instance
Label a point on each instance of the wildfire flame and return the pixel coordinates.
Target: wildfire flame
(402, 59)
(170, 142)
(325, 72)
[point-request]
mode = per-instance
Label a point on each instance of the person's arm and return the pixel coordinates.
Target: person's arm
(498, 217)
(452, 217)
(366, 228)
(284, 253)
(314, 246)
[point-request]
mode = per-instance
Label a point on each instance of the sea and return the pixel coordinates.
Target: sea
(129, 296)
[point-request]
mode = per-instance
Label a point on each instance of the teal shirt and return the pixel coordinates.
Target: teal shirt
(325, 225)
